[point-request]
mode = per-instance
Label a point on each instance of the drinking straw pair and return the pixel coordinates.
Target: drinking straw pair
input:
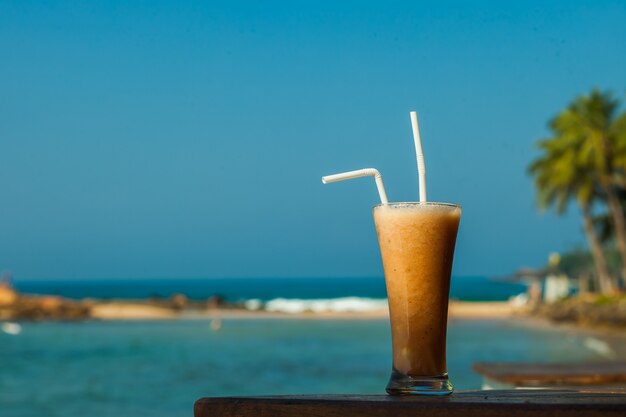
(373, 172)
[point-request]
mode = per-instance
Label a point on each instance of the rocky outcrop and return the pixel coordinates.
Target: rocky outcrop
(50, 307)
(7, 295)
(14, 306)
(596, 311)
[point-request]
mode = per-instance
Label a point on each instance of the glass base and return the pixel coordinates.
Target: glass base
(401, 384)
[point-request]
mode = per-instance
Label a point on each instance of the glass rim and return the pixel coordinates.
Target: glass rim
(419, 203)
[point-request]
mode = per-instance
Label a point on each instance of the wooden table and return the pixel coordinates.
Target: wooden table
(506, 375)
(508, 403)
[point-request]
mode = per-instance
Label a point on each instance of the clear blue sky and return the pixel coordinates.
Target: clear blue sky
(187, 139)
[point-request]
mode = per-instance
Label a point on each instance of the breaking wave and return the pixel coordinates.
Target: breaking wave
(330, 305)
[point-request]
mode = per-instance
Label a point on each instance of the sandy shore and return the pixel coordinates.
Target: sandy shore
(119, 310)
(131, 311)
(480, 310)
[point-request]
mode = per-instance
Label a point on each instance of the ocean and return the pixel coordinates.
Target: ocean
(472, 288)
(159, 368)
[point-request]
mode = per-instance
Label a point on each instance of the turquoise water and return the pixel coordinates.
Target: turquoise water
(159, 368)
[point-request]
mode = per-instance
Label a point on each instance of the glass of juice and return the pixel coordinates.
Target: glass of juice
(417, 243)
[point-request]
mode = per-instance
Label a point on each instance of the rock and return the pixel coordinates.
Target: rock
(215, 301)
(178, 301)
(48, 307)
(587, 311)
(8, 295)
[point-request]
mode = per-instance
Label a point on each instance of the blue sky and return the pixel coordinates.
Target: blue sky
(187, 139)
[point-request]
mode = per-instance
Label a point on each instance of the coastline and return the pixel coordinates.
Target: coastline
(127, 310)
(15, 307)
(32, 307)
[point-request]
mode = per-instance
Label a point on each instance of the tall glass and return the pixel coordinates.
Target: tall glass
(417, 246)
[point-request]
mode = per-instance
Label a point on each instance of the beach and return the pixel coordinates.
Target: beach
(477, 297)
(125, 310)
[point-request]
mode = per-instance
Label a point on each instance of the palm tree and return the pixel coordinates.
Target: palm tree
(590, 128)
(617, 133)
(558, 180)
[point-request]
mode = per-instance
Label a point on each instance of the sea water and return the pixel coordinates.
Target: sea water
(470, 288)
(159, 368)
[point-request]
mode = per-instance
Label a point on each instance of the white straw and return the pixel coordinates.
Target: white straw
(367, 172)
(421, 167)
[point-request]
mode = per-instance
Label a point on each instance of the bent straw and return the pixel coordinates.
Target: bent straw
(366, 172)
(421, 167)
